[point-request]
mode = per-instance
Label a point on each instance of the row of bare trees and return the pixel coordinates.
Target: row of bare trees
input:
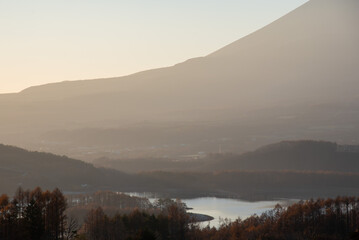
(40, 215)
(35, 215)
(321, 219)
(171, 223)
(108, 199)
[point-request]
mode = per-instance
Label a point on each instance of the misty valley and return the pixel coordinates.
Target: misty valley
(218, 192)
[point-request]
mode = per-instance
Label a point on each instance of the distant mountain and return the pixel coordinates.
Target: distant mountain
(296, 78)
(295, 156)
(19, 167)
(304, 155)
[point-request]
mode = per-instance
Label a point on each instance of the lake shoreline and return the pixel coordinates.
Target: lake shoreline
(199, 217)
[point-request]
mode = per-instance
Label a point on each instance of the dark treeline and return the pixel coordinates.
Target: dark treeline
(172, 222)
(107, 199)
(330, 219)
(41, 215)
(110, 202)
(35, 215)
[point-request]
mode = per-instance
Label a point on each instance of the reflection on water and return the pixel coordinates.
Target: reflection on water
(224, 207)
(228, 208)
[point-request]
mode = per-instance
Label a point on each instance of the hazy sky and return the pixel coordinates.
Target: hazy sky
(44, 41)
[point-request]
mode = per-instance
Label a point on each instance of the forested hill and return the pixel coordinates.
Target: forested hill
(19, 167)
(293, 155)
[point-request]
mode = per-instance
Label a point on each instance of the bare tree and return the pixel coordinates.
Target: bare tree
(72, 226)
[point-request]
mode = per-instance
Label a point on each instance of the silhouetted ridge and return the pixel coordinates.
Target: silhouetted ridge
(31, 169)
(308, 147)
(28, 169)
(296, 155)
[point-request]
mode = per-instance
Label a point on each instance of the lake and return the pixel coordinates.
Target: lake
(229, 208)
(225, 207)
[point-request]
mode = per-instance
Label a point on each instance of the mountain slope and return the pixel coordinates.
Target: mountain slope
(19, 167)
(294, 156)
(303, 68)
(303, 155)
(315, 44)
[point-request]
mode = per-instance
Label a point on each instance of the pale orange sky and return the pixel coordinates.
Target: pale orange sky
(46, 41)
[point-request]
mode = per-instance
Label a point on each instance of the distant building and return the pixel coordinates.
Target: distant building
(200, 155)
